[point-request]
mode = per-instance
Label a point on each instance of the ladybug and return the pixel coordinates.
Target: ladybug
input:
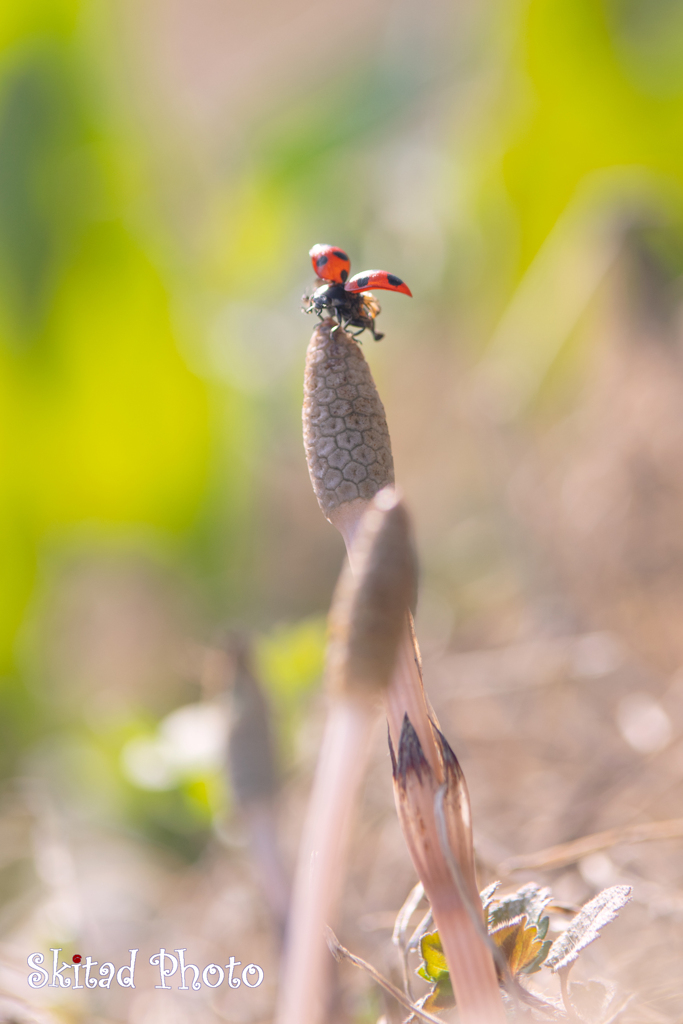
(348, 298)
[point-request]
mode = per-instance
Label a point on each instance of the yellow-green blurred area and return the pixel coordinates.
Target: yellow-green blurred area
(165, 166)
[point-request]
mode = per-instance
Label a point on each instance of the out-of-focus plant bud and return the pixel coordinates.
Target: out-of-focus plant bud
(370, 606)
(251, 760)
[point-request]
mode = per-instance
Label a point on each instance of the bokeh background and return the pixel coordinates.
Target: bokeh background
(165, 165)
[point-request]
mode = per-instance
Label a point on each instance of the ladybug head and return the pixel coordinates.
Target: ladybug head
(330, 263)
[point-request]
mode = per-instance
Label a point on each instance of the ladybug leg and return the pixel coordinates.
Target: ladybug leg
(339, 325)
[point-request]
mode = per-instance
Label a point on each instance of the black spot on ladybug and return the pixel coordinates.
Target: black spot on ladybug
(394, 281)
(339, 254)
(362, 282)
(344, 274)
(321, 261)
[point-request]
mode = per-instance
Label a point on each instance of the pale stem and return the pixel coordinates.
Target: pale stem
(322, 856)
(260, 819)
(471, 964)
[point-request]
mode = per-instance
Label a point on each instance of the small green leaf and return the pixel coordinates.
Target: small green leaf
(435, 970)
(441, 996)
(585, 927)
(435, 964)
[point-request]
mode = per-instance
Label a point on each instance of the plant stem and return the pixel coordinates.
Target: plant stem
(322, 858)
(364, 630)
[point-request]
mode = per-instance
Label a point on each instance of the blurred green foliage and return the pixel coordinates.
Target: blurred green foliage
(588, 105)
(101, 419)
(291, 658)
(290, 662)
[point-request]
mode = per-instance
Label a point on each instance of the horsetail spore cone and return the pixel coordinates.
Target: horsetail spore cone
(346, 437)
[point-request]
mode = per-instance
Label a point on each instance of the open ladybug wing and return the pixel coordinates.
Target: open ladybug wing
(376, 279)
(330, 263)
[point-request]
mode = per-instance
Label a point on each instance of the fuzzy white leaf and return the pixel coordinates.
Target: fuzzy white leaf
(585, 927)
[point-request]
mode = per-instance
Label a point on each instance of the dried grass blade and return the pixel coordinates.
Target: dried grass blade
(568, 853)
(341, 953)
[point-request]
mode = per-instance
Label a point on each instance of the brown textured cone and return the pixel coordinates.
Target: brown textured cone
(370, 605)
(346, 438)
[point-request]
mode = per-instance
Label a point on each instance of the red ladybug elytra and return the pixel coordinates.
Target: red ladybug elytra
(330, 263)
(348, 299)
(377, 279)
